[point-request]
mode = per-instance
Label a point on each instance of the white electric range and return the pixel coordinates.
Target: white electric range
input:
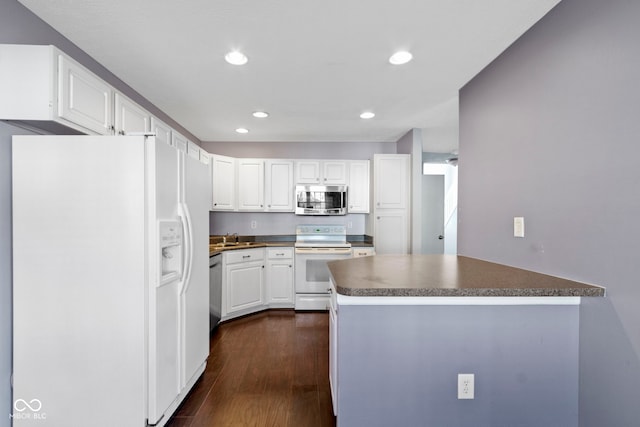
(315, 246)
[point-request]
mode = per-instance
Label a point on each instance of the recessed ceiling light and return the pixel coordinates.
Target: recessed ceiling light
(260, 114)
(236, 58)
(242, 130)
(401, 57)
(367, 115)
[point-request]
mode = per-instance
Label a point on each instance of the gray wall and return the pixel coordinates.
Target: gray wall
(549, 131)
(524, 358)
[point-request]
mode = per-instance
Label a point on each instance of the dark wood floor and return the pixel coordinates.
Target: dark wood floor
(268, 369)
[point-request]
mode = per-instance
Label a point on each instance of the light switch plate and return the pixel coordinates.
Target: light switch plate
(518, 226)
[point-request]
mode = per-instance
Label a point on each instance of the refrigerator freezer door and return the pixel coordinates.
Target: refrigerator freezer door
(164, 314)
(79, 292)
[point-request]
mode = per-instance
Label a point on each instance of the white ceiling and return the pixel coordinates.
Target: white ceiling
(313, 65)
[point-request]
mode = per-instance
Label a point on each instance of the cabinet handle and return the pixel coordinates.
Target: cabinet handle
(289, 265)
(246, 256)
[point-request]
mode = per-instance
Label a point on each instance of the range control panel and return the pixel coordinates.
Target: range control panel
(329, 230)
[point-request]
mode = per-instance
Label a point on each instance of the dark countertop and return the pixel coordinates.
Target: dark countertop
(446, 275)
(279, 240)
(216, 249)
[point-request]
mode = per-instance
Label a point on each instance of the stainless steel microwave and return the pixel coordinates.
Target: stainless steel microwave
(321, 200)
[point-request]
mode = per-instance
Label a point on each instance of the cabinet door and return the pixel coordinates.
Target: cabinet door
(130, 117)
(162, 131)
(223, 172)
(391, 232)
(83, 98)
(250, 185)
(244, 286)
(279, 188)
(308, 172)
(391, 181)
(358, 190)
(334, 172)
(280, 282)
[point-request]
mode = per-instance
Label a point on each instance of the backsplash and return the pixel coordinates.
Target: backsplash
(272, 223)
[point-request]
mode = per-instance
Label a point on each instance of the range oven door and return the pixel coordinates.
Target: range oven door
(312, 272)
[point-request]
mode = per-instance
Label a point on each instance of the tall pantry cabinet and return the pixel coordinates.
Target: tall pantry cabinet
(391, 203)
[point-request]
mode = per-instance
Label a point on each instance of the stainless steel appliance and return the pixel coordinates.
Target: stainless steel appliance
(315, 246)
(215, 290)
(321, 200)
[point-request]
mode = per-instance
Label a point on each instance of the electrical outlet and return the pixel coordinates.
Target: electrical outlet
(466, 386)
(254, 225)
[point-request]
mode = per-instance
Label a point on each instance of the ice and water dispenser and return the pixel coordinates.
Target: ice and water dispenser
(170, 233)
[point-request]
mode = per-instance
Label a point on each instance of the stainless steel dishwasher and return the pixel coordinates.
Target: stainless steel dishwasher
(215, 290)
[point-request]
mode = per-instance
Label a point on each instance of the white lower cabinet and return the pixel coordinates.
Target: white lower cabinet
(391, 231)
(280, 276)
(243, 288)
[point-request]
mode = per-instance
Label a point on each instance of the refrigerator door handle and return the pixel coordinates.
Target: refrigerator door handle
(188, 243)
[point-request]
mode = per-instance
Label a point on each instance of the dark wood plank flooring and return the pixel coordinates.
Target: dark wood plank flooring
(268, 369)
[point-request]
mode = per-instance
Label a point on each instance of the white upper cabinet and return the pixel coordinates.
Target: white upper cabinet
(44, 88)
(130, 117)
(162, 131)
(193, 150)
(279, 186)
(179, 141)
(321, 172)
(83, 98)
(391, 181)
(358, 190)
(307, 172)
(250, 184)
(334, 172)
(223, 173)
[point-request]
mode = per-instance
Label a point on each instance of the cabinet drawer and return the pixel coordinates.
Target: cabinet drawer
(360, 252)
(244, 255)
(280, 253)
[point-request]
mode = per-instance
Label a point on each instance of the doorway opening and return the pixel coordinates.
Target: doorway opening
(440, 207)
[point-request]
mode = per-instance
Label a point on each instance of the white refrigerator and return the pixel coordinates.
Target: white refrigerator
(110, 279)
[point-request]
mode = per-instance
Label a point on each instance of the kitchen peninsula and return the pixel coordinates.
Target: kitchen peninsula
(404, 327)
